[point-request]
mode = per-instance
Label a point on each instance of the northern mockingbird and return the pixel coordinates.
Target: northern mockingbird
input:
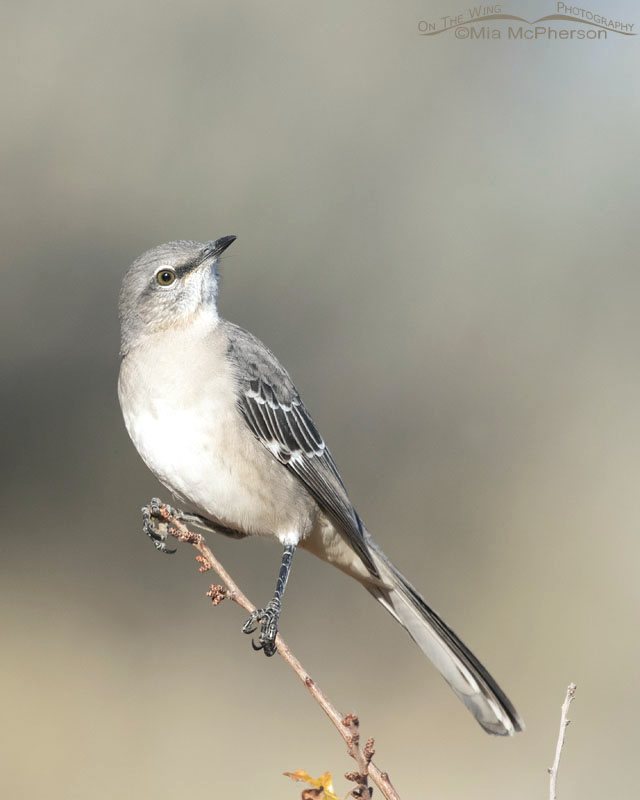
(220, 423)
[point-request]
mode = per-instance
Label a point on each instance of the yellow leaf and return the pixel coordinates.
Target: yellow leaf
(299, 775)
(323, 782)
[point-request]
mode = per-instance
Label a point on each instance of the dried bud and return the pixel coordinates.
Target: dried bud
(204, 564)
(217, 593)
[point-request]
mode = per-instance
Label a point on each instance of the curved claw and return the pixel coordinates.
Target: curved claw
(251, 624)
(268, 619)
(162, 547)
(151, 525)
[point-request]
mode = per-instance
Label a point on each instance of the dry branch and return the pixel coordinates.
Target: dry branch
(347, 726)
(564, 722)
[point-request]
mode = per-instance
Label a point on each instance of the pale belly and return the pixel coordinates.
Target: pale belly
(200, 449)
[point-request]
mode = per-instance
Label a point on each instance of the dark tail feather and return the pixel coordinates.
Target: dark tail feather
(455, 662)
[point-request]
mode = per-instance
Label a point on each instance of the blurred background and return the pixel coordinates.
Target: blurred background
(438, 238)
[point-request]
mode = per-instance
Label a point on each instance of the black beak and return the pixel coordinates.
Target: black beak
(214, 249)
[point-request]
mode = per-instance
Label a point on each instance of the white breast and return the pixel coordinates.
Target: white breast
(178, 400)
(178, 443)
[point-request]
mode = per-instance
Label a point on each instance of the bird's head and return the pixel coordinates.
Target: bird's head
(168, 285)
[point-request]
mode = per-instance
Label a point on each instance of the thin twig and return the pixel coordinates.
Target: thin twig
(362, 756)
(564, 722)
(347, 726)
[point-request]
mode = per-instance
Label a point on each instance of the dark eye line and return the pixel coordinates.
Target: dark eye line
(179, 272)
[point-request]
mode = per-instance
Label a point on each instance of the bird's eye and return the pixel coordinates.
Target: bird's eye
(166, 277)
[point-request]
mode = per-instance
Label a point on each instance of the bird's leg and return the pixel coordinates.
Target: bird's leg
(268, 617)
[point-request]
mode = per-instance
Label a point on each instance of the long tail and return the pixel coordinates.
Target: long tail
(455, 662)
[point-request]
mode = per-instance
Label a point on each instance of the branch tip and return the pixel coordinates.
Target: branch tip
(564, 724)
(369, 751)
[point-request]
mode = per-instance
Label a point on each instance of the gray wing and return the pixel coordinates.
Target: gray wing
(273, 410)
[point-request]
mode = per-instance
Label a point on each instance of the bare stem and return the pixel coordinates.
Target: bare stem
(564, 722)
(347, 726)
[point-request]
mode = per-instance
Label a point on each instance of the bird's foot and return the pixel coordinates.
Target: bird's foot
(156, 525)
(268, 619)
